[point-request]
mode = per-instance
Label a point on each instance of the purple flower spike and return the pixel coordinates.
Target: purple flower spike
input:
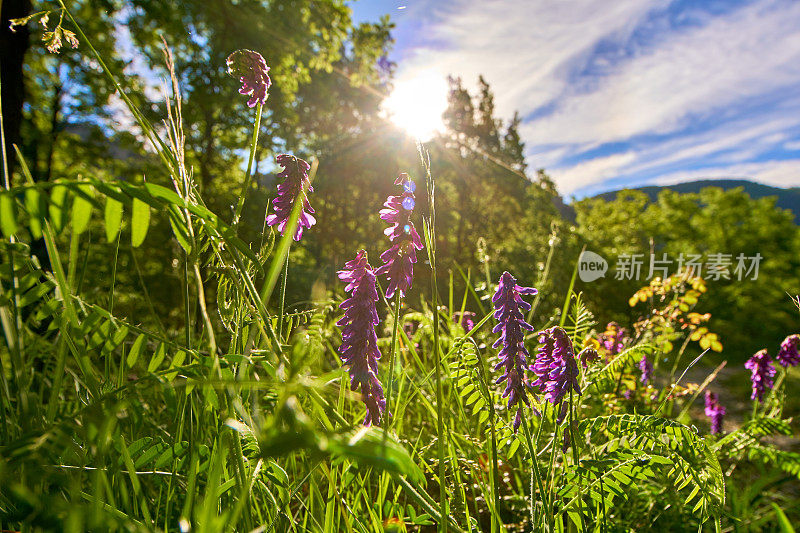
(647, 370)
(295, 184)
(614, 338)
(627, 394)
(507, 304)
(251, 69)
(466, 319)
(555, 365)
(588, 355)
(789, 355)
(399, 259)
(715, 412)
(762, 372)
(359, 349)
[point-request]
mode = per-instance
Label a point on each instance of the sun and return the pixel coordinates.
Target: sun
(417, 103)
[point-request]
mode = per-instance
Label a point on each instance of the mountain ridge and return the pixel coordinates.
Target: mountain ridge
(787, 198)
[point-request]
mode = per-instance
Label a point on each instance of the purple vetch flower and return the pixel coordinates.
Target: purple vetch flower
(410, 329)
(566, 441)
(614, 338)
(562, 413)
(588, 355)
(295, 184)
(627, 394)
(507, 304)
(359, 349)
(555, 366)
(399, 259)
(251, 69)
(788, 355)
(646, 369)
(466, 319)
(762, 372)
(715, 412)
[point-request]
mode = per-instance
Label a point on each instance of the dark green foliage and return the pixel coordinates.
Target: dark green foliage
(709, 222)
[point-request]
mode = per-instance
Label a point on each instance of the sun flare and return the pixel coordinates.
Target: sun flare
(417, 103)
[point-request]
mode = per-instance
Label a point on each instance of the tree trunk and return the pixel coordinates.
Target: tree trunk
(55, 129)
(13, 46)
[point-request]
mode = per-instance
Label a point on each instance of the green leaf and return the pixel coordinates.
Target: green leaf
(179, 229)
(157, 358)
(35, 294)
(783, 521)
(177, 361)
(113, 218)
(473, 398)
(58, 198)
(33, 204)
(8, 212)
(513, 448)
(211, 397)
(82, 210)
(140, 221)
(371, 446)
(167, 455)
(149, 454)
(279, 475)
(136, 349)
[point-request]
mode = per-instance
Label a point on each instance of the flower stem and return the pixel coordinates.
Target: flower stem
(551, 481)
(575, 460)
(439, 406)
(283, 294)
(496, 521)
(537, 475)
(430, 244)
(390, 385)
(248, 174)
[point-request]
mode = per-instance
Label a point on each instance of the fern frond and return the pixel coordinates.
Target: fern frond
(751, 432)
(580, 319)
(606, 377)
(692, 462)
(789, 462)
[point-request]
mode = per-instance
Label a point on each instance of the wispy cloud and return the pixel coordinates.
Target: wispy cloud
(525, 49)
(780, 173)
(692, 74)
(593, 170)
(628, 92)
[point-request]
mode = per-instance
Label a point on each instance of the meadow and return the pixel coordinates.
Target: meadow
(405, 396)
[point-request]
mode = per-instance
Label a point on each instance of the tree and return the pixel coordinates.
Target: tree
(730, 222)
(74, 124)
(704, 225)
(14, 43)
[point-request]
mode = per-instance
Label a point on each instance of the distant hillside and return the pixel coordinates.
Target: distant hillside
(787, 198)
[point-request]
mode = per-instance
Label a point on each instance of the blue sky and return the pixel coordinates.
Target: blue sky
(625, 92)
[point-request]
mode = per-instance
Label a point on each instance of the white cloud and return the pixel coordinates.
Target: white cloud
(725, 149)
(733, 141)
(699, 72)
(778, 173)
(727, 144)
(571, 178)
(523, 49)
